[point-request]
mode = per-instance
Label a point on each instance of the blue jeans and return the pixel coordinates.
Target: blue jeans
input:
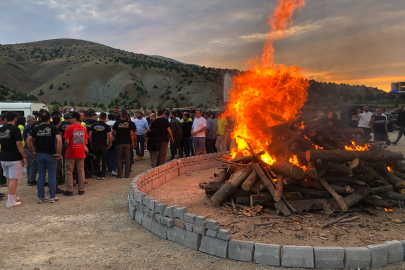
(31, 166)
(188, 145)
(111, 160)
(140, 140)
(46, 161)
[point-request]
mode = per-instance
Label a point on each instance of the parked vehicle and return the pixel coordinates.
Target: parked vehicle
(395, 116)
(348, 113)
(23, 108)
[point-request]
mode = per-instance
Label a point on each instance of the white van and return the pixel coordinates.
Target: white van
(23, 108)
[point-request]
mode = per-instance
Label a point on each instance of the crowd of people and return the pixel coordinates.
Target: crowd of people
(73, 145)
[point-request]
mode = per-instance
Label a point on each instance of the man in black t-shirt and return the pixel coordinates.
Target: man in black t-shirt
(98, 139)
(150, 143)
(41, 143)
(124, 132)
(379, 123)
(162, 130)
(187, 137)
(13, 157)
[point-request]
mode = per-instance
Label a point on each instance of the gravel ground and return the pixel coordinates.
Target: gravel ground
(94, 231)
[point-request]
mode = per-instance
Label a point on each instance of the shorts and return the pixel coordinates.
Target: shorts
(12, 169)
(199, 142)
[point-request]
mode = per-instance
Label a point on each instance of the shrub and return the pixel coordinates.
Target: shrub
(60, 88)
(41, 93)
(155, 86)
(182, 98)
(51, 86)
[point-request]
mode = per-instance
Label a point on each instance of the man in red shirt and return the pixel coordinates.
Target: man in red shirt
(75, 139)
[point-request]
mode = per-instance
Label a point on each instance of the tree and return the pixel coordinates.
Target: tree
(51, 86)
(41, 93)
(95, 104)
(60, 88)
(102, 106)
(80, 104)
(85, 104)
(65, 103)
(155, 86)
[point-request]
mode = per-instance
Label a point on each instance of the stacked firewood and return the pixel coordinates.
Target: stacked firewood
(320, 166)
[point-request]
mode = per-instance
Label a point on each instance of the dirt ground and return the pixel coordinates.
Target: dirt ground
(94, 231)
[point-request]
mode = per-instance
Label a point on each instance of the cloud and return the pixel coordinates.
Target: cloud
(340, 40)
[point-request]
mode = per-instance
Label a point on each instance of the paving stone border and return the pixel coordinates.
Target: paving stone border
(175, 224)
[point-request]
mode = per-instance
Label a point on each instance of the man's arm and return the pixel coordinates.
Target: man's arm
(110, 137)
(133, 138)
(30, 145)
(114, 133)
(386, 130)
(58, 147)
(21, 150)
(170, 133)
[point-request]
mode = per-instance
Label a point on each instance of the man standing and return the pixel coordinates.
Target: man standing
(61, 110)
(13, 157)
(31, 163)
(141, 125)
(364, 121)
(117, 114)
(99, 132)
(220, 131)
(41, 143)
(111, 155)
(209, 133)
(379, 123)
(198, 132)
(400, 123)
(187, 138)
(73, 108)
(123, 131)
(175, 127)
(193, 113)
(161, 127)
(150, 143)
(75, 140)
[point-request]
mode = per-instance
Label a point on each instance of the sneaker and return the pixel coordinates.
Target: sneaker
(54, 200)
(143, 158)
(102, 178)
(119, 176)
(114, 173)
(126, 176)
(13, 204)
(81, 192)
(33, 183)
(59, 191)
(98, 178)
(138, 158)
(43, 200)
(17, 199)
(67, 193)
(394, 143)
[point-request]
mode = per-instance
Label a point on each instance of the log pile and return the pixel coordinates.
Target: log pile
(320, 166)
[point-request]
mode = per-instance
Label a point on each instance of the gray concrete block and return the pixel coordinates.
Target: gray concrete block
(157, 217)
(176, 235)
(298, 256)
(267, 254)
(214, 246)
(145, 201)
(199, 229)
(212, 233)
(139, 216)
(403, 247)
(168, 212)
(151, 205)
(224, 235)
(357, 257)
(159, 229)
(147, 222)
(167, 221)
(178, 212)
(150, 213)
(241, 250)
(143, 209)
(160, 208)
(189, 218)
(179, 223)
(192, 240)
(200, 220)
(379, 255)
(189, 226)
(329, 257)
(395, 251)
(131, 208)
(212, 225)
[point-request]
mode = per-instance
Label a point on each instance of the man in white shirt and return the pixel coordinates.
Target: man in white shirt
(141, 128)
(198, 132)
(365, 120)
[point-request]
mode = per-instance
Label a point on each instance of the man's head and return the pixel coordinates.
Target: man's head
(67, 111)
(103, 116)
(30, 119)
(384, 110)
(93, 116)
(56, 121)
(206, 115)
(366, 108)
(193, 112)
(3, 119)
(75, 117)
(152, 116)
(55, 113)
(212, 115)
(81, 117)
(20, 121)
(45, 117)
(219, 114)
(124, 115)
(401, 107)
(110, 116)
(139, 115)
(152, 111)
(74, 106)
(378, 112)
(185, 117)
(116, 110)
(172, 115)
(61, 108)
(161, 112)
(11, 117)
(198, 113)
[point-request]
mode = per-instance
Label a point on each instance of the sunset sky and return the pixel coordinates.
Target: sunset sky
(342, 41)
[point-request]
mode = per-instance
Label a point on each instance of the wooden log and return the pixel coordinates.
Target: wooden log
(290, 180)
(264, 199)
(232, 169)
(334, 221)
(338, 198)
(293, 196)
(326, 146)
(343, 156)
(381, 189)
(339, 168)
(398, 174)
(338, 189)
(320, 122)
(230, 187)
(317, 130)
(349, 180)
(240, 193)
(312, 172)
(308, 205)
(269, 185)
(213, 187)
(394, 196)
(258, 187)
(242, 200)
(308, 191)
(354, 198)
(279, 188)
(354, 131)
(376, 201)
(287, 169)
(300, 140)
(221, 177)
(279, 146)
(250, 181)
(328, 135)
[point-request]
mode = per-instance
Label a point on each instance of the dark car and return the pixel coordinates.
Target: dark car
(395, 116)
(348, 113)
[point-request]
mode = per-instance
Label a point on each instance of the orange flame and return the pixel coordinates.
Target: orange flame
(318, 147)
(355, 147)
(277, 91)
(294, 160)
(388, 210)
(390, 169)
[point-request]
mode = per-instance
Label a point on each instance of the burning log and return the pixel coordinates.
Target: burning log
(312, 172)
(308, 191)
(264, 199)
(353, 131)
(287, 169)
(279, 188)
(250, 181)
(343, 156)
(221, 177)
(339, 168)
(337, 197)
